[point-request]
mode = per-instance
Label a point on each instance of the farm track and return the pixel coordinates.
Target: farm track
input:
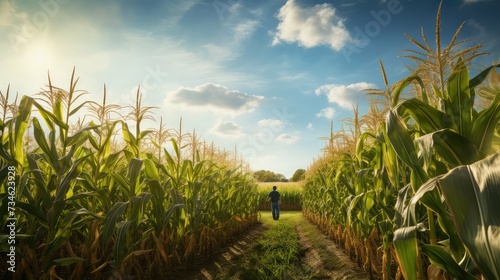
(319, 255)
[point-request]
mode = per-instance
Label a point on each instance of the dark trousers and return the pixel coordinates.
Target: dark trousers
(275, 208)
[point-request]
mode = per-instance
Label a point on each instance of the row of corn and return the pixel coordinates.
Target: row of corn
(105, 198)
(417, 197)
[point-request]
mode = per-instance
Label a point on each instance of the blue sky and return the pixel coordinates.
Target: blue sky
(266, 77)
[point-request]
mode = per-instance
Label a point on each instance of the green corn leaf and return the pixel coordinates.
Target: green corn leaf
(34, 211)
(477, 80)
(69, 179)
(404, 83)
(438, 256)
(401, 140)
(428, 195)
(110, 221)
(138, 207)
(427, 117)
(49, 118)
(403, 145)
(134, 169)
(42, 142)
(406, 245)
(122, 182)
(472, 194)
(460, 99)
(80, 136)
(483, 129)
(120, 249)
(150, 170)
(452, 147)
(21, 122)
(64, 229)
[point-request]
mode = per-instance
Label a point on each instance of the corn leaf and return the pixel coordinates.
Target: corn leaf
(404, 83)
(405, 243)
(64, 229)
(460, 101)
(109, 224)
(477, 80)
(21, 121)
(120, 249)
(428, 118)
(483, 129)
(453, 148)
(402, 143)
(472, 194)
(438, 256)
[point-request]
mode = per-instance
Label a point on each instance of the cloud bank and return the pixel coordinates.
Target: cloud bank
(215, 98)
(344, 95)
(311, 26)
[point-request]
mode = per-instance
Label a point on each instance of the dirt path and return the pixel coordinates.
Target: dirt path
(326, 258)
(322, 257)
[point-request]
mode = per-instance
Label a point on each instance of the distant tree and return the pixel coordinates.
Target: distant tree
(268, 176)
(281, 178)
(299, 175)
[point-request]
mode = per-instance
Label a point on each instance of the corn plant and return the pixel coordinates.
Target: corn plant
(397, 194)
(91, 207)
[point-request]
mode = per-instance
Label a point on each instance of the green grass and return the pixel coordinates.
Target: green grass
(276, 254)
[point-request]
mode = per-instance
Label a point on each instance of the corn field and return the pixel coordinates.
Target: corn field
(102, 200)
(411, 190)
(290, 196)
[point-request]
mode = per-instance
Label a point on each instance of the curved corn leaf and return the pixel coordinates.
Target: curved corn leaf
(483, 129)
(428, 195)
(428, 118)
(64, 229)
(138, 207)
(403, 84)
(69, 179)
(479, 78)
(438, 256)
(110, 221)
(472, 194)
(453, 148)
(120, 249)
(402, 143)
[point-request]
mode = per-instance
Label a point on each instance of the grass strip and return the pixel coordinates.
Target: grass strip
(276, 254)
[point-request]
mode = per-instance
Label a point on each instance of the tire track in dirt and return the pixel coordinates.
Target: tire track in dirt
(325, 259)
(208, 269)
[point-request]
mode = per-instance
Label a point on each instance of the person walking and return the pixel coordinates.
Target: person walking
(275, 198)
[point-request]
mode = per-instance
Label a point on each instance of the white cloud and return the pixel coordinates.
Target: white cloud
(287, 138)
(227, 128)
(310, 126)
(175, 10)
(311, 26)
(327, 113)
(271, 123)
(244, 30)
(215, 98)
(344, 95)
